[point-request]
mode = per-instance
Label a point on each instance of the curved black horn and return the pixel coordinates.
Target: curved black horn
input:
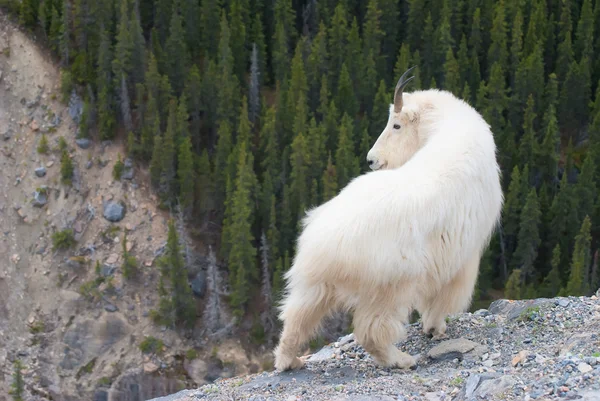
(402, 82)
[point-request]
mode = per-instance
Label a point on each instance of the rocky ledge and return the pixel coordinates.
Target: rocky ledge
(542, 349)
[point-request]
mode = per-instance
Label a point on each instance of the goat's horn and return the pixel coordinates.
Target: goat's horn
(399, 88)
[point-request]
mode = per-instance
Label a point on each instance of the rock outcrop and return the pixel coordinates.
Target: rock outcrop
(542, 349)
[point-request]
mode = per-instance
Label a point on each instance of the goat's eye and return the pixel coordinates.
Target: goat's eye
(396, 126)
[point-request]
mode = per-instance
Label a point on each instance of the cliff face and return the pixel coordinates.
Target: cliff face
(78, 331)
(542, 349)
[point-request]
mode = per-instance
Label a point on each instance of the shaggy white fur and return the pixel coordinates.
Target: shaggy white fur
(406, 236)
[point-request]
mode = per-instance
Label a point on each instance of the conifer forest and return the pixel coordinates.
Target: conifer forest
(247, 112)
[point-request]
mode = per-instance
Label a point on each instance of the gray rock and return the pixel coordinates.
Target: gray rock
(451, 349)
(40, 197)
(564, 302)
(110, 308)
(40, 171)
(590, 395)
(89, 164)
(75, 107)
(494, 387)
(471, 386)
(114, 211)
(7, 134)
(177, 396)
(83, 143)
(198, 284)
(107, 270)
(128, 169)
(514, 309)
(324, 354)
(101, 395)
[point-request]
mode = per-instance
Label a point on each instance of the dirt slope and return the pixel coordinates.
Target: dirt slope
(80, 344)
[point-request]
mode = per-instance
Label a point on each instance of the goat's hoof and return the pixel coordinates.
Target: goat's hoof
(284, 364)
(439, 336)
(403, 361)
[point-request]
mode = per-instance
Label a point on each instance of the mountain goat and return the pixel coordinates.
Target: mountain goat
(408, 235)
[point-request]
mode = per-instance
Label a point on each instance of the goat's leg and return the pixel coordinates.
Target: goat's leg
(301, 314)
(377, 326)
(454, 297)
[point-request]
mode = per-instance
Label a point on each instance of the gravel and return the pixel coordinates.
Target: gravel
(543, 349)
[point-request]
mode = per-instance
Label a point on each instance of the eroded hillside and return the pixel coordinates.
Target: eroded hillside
(78, 330)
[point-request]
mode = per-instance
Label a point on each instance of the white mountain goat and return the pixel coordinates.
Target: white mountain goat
(406, 236)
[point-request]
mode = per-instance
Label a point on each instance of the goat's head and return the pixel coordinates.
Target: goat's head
(398, 141)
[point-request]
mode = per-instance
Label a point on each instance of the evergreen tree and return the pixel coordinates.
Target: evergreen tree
(241, 257)
(177, 306)
(528, 240)
(512, 288)
(578, 278)
(551, 285)
(177, 53)
(185, 174)
(345, 160)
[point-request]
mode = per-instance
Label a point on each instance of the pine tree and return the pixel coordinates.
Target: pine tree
(578, 279)
(573, 109)
(156, 161)
(511, 212)
(345, 94)
(299, 162)
(452, 74)
(241, 256)
(185, 174)
(498, 51)
(563, 220)
(512, 288)
(552, 283)
(193, 94)
(380, 113)
(527, 144)
(177, 53)
(584, 35)
(528, 240)
(345, 160)
(177, 306)
(168, 153)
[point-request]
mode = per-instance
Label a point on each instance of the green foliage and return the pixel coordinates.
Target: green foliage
(578, 279)
(151, 345)
(17, 387)
(176, 305)
(118, 168)
(63, 239)
(66, 168)
(43, 145)
(130, 263)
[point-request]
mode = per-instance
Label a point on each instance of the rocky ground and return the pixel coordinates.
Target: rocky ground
(544, 349)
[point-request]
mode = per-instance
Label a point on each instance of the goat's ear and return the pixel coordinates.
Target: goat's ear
(409, 113)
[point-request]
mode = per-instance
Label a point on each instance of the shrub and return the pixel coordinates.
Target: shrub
(66, 85)
(118, 168)
(66, 168)
(151, 345)
(43, 145)
(63, 239)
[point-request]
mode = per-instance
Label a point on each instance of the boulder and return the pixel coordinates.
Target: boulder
(40, 171)
(40, 197)
(114, 211)
(83, 143)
